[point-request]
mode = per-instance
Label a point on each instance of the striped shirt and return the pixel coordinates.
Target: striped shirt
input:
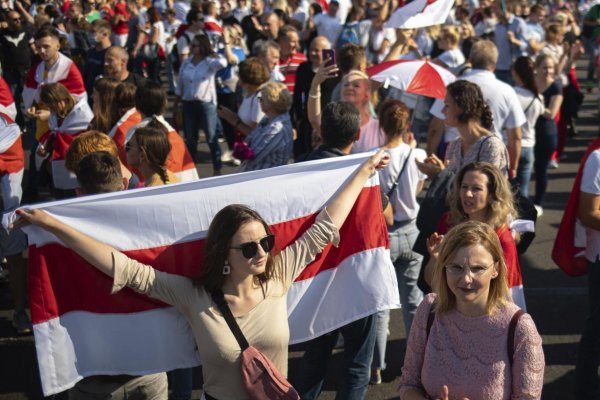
(289, 67)
(272, 143)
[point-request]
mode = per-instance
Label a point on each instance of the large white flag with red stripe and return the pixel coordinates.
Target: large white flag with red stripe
(420, 13)
(81, 330)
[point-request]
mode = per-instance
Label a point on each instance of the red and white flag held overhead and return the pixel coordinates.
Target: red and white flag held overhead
(81, 329)
(420, 13)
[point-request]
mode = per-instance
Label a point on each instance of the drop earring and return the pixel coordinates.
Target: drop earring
(226, 268)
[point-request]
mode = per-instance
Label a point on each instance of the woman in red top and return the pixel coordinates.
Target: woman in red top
(481, 193)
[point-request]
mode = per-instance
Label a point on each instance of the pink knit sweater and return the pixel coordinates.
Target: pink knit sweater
(470, 356)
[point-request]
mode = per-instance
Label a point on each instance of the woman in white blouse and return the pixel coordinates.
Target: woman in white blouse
(196, 89)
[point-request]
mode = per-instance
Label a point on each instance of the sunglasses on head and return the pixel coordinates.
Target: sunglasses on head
(250, 249)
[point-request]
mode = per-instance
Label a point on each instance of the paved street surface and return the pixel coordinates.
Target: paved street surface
(556, 302)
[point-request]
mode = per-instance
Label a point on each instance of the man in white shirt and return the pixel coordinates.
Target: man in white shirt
(500, 97)
(329, 25)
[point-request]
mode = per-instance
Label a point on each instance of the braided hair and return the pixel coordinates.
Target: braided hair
(154, 144)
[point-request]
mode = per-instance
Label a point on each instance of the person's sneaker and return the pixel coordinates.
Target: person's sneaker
(21, 322)
(553, 164)
(375, 376)
(539, 210)
(235, 162)
(227, 156)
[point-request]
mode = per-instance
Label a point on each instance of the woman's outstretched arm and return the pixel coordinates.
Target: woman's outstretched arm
(96, 253)
(342, 203)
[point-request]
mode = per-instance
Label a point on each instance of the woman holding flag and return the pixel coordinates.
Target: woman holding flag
(238, 262)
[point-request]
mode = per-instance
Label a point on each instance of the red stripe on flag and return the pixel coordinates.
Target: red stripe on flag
(60, 281)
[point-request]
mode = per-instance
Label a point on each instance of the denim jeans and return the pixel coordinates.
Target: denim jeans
(591, 48)
(524, 170)
(407, 263)
(546, 136)
(180, 384)
(588, 358)
(202, 115)
(359, 342)
(382, 323)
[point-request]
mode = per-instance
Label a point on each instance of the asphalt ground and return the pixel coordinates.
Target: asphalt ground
(556, 302)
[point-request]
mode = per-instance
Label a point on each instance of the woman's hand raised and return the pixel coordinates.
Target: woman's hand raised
(324, 72)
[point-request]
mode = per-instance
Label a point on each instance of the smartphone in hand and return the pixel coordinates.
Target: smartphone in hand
(329, 54)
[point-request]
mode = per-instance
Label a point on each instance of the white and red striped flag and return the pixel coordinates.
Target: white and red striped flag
(420, 13)
(82, 330)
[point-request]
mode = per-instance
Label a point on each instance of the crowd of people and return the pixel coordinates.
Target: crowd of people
(116, 95)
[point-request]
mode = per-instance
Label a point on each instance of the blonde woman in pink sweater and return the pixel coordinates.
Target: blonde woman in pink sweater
(468, 339)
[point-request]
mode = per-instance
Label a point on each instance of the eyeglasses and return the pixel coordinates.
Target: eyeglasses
(474, 270)
(194, 45)
(16, 19)
(250, 249)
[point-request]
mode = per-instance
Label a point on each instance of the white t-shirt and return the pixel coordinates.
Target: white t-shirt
(371, 136)
(590, 183)
(500, 97)
(535, 107)
(404, 198)
(452, 58)
(328, 27)
(250, 112)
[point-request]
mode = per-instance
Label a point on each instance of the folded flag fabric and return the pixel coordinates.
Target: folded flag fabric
(420, 13)
(81, 329)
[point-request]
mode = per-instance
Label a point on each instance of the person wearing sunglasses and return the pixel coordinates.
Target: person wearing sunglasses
(468, 339)
(238, 261)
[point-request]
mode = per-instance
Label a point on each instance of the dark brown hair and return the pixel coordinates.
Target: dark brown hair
(393, 118)
(253, 71)
(525, 69)
(469, 99)
(124, 101)
(218, 243)
(106, 88)
(53, 93)
(206, 49)
(154, 144)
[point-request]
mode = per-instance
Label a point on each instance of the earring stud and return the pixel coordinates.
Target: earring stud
(226, 268)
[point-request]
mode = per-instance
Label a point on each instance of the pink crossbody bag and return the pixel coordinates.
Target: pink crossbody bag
(261, 378)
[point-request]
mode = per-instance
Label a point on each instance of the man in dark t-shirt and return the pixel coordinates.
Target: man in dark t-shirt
(16, 55)
(115, 67)
(94, 64)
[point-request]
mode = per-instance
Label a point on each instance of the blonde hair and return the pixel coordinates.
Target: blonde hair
(276, 96)
(501, 208)
(87, 143)
(463, 235)
(451, 34)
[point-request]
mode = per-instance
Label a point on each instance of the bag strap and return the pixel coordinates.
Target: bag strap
(512, 327)
(391, 191)
(488, 137)
(530, 104)
(219, 299)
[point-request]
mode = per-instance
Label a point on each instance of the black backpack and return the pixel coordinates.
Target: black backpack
(175, 53)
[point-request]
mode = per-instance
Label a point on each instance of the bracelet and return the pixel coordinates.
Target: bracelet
(314, 96)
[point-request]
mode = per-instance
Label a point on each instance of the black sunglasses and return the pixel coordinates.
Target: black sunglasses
(250, 249)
